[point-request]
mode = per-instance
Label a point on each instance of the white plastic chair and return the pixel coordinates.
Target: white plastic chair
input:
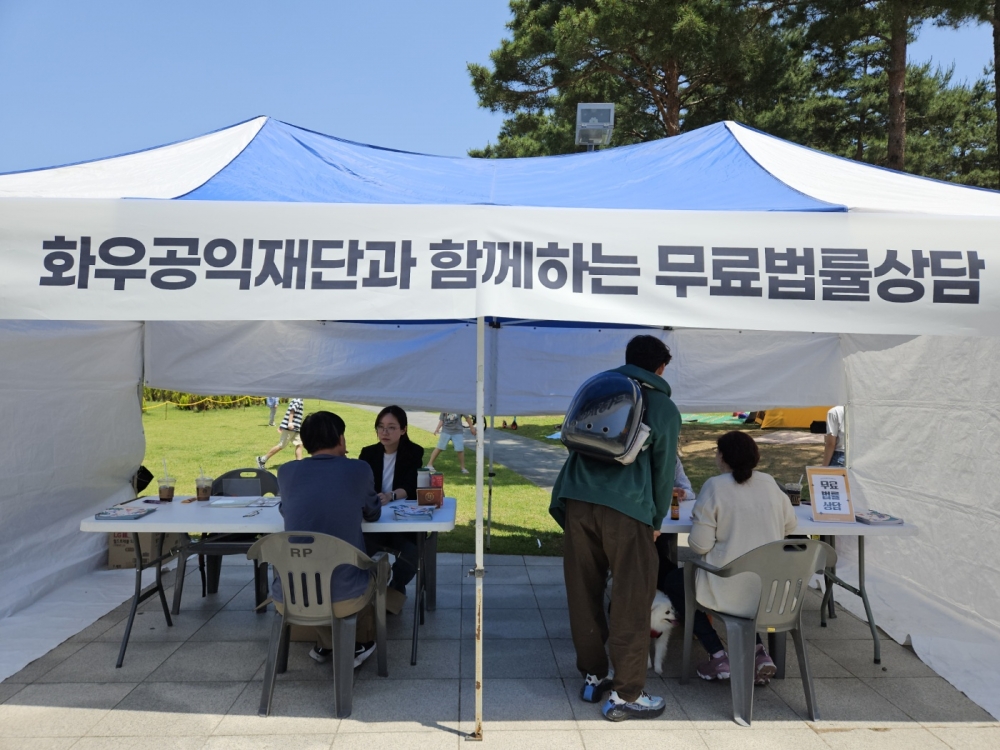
(304, 562)
(784, 569)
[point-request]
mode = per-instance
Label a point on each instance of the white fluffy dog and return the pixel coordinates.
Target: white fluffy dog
(662, 618)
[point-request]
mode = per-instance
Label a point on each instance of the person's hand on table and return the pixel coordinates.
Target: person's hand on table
(386, 497)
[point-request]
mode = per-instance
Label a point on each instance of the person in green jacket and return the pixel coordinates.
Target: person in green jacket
(611, 514)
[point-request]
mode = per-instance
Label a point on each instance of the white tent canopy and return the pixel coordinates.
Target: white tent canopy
(787, 277)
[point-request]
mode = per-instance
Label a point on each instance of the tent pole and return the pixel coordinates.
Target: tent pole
(479, 571)
(494, 365)
(489, 503)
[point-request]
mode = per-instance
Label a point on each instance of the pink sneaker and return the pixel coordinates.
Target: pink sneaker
(714, 669)
(764, 668)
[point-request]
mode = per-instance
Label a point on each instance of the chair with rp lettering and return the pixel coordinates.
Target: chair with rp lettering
(304, 563)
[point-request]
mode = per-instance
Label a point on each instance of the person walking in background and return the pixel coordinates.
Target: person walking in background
(289, 431)
(272, 404)
(450, 428)
(834, 448)
(611, 514)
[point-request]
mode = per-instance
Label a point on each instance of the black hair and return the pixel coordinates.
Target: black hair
(321, 430)
(647, 352)
(740, 453)
(400, 416)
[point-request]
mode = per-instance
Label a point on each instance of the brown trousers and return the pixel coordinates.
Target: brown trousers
(363, 606)
(599, 539)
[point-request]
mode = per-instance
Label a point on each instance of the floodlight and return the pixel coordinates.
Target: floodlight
(594, 124)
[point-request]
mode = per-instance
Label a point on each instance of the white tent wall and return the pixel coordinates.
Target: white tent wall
(432, 365)
(72, 437)
(923, 417)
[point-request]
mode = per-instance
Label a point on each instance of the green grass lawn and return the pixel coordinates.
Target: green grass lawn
(223, 439)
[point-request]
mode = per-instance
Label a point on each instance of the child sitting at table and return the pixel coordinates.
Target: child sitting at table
(736, 511)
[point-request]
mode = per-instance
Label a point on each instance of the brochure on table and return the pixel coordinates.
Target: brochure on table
(830, 493)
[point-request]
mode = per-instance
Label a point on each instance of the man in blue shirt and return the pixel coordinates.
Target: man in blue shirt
(331, 494)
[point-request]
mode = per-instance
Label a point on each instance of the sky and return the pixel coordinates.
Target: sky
(85, 80)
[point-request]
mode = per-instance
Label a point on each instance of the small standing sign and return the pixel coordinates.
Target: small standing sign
(830, 494)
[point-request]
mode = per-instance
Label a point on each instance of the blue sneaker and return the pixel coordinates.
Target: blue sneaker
(643, 707)
(594, 688)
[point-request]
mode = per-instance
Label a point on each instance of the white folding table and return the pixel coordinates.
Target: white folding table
(179, 517)
(827, 531)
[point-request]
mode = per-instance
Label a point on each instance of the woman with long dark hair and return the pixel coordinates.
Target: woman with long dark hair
(395, 461)
(736, 511)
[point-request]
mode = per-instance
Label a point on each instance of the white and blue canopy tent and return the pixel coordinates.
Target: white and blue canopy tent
(779, 276)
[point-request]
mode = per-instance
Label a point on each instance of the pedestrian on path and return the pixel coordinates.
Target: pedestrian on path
(450, 429)
(289, 431)
(272, 404)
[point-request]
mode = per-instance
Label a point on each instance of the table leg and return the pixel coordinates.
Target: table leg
(417, 601)
(159, 578)
(182, 556)
(830, 604)
(140, 596)
(135, 601)
(776, 643)
(864, 598)
(430, 572)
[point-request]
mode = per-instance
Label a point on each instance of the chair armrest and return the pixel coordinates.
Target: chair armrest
(702, 565)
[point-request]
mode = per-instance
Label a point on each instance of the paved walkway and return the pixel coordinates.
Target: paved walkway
(535, 461)
(197, 685)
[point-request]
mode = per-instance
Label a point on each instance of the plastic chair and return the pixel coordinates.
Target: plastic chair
(235, 483)
(784, 569)
(304, 562)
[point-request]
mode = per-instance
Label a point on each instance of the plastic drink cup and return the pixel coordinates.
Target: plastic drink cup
(167, 489)
(794, 492)
(203, 487)
(423, 479)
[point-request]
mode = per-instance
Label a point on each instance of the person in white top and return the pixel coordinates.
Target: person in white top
(834, 449)
(736, 511)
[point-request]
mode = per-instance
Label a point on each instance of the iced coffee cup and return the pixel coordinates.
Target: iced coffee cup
(167, 489)
(794, 492)
(203, 487)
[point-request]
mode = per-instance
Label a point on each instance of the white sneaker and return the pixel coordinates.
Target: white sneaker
(362, 651)
(465, 471)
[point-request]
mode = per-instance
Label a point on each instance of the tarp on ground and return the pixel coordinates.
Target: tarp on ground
(722, 228)
(775, 418)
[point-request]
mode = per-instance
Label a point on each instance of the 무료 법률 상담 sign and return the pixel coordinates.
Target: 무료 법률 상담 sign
(830, 493)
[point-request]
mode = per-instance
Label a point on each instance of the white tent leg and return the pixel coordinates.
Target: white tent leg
(489, 503)
(479, 571)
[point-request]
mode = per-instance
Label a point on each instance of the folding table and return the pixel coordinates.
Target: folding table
(181, 517)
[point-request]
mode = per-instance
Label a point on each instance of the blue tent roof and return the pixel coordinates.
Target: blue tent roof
(706, 169)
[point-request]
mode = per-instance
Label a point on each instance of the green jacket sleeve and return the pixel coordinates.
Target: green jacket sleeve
(557, 507)
(663, 458)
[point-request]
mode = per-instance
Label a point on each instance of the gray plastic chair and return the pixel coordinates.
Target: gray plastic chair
(784, 569)
(305, 562)
(249, 482)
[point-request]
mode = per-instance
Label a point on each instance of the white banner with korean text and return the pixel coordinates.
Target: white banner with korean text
(193, 260)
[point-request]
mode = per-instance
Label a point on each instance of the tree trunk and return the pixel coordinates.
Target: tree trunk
(996, 77)
(898, 26)
(672, 84)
